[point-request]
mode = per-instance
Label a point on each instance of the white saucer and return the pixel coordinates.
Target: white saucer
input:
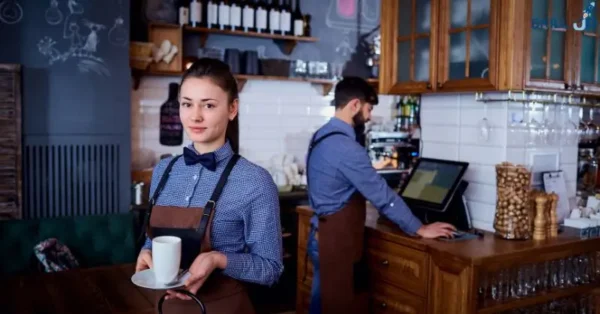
(146, 279)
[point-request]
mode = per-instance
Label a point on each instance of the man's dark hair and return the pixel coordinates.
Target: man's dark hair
(351, 88)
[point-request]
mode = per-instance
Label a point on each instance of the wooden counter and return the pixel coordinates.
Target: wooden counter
(486, 275)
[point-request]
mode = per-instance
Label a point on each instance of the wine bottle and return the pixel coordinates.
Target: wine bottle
(235, 18)
(212, 13)
(196, 13)
(307, 28)
(248, 16)
(184, 14)
(298, 20)
(224, 14)
(274, 17)
(171, 130)
(285, 23)
(261, 16)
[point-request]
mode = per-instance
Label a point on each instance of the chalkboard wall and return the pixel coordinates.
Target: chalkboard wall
(76, 102)
(340, 26)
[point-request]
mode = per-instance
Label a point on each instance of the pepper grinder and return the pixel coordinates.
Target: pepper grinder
(539, 231)
(553, 217)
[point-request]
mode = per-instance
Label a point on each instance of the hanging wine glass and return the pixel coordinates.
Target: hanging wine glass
(484, 127)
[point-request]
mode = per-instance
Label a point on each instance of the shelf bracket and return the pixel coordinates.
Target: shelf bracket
(241, 82)
(326, 88)
(286, 46)
(203, 38)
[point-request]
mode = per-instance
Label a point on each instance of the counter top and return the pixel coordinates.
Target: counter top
(489, 250)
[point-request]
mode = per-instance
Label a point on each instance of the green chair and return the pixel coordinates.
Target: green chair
(95, 240)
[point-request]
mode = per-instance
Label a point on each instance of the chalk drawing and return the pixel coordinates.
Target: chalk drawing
(11, 12)
(53, 14)
(344, 15)
(80, 46)
(344, 49)
(117, 35)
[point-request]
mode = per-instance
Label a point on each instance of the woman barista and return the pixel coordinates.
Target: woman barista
(242, 235)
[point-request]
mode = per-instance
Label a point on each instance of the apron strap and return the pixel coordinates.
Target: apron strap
(212, 202)
(313, 144)
(159, 188)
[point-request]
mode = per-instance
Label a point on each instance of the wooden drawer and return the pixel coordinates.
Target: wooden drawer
(301, 269)
(391, 300)
(302, 299)
(398, 265)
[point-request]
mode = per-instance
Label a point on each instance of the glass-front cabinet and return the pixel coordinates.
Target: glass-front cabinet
(586, 56)
(467, 44)
(408, 46)
(549, 39)
(437, 45)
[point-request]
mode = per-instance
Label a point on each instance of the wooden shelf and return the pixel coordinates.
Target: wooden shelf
(242, 79)
(285, 43)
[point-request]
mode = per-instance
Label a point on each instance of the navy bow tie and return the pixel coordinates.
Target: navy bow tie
(207, 160)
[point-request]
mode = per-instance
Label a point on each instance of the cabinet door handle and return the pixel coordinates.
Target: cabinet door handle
(385, 262)
(439, 85)
(428, 85)
(383, 305)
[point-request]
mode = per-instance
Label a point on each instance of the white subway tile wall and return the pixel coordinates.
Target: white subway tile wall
(280, 117)
(450, 130)
(275, 118)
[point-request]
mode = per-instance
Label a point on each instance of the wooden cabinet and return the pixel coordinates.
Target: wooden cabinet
(483, 45)
(479, 276)
(438, 45)
(10, 142)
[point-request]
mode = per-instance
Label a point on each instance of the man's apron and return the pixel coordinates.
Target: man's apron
(220, 294)
(342, 265)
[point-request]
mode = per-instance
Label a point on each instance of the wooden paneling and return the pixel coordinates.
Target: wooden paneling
(10, 142)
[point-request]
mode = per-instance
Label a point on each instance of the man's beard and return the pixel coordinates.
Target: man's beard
(359, 120)
(359, 128)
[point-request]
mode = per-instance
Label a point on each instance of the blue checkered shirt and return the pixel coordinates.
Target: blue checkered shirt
(246, 224)
(339, 166)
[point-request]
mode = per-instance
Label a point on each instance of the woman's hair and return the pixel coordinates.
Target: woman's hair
(218, 72)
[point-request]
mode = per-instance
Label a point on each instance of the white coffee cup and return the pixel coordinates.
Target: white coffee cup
(166, 258)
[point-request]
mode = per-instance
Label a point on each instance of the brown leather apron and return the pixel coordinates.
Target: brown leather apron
(342, 264)
(220, 294)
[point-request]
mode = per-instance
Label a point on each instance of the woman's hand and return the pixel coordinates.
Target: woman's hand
(144, 260)
(200, 270)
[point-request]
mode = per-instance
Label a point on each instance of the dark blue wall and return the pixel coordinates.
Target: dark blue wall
(76, 79)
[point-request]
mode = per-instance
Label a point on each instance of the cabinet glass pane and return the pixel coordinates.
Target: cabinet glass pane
(538, 54)
(458, 13)
(423, 21)
(558, 17)
(458, 53)
(480, 12)
(404, 17)
(403, 61)
(479, 53)
(557, 48)
(588, 54)
(422, 60)
(539, 14)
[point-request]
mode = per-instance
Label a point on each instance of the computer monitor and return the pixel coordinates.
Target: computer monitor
(432, 184)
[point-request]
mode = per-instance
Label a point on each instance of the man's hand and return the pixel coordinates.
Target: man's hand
(200, 270)
(144, 260)
(436, 230)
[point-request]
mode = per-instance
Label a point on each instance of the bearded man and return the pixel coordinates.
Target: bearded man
(341, 179)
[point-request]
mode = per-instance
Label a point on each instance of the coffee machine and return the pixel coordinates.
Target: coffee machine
(400, 151)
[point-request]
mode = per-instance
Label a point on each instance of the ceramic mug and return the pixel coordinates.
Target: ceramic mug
(166, 258)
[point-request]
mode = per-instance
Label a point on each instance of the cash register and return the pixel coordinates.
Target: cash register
(434, 193)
